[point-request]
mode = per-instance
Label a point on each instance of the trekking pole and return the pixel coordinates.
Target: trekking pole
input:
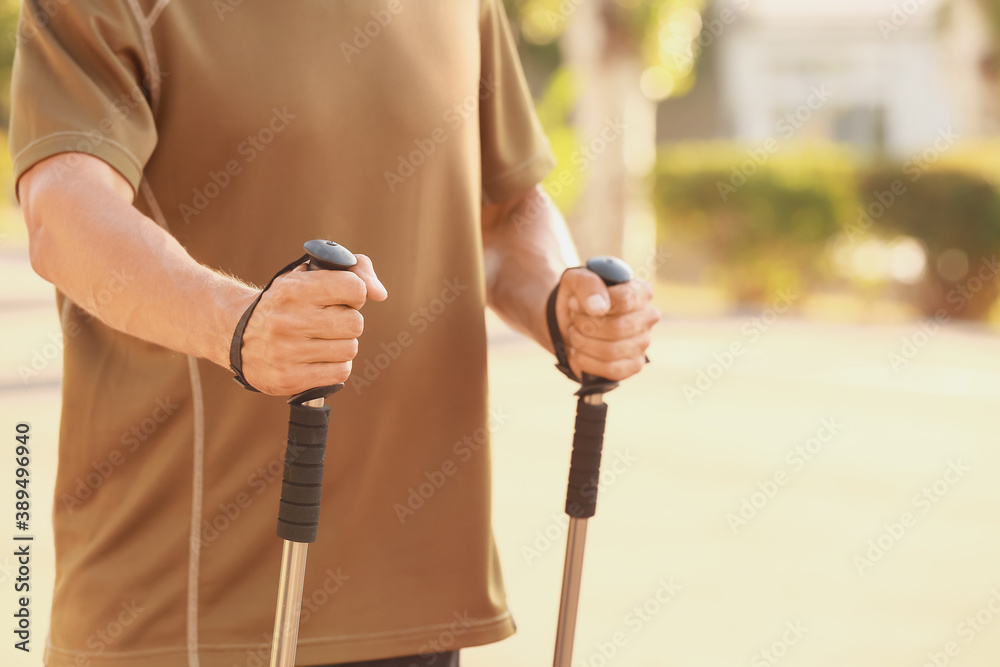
(302, 484)
(584, 475)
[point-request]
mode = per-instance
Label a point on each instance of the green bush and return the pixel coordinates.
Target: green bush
(946, 208)
(764, 217)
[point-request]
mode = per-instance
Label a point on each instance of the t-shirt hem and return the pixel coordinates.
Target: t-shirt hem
(519, 179)
(116, 155)
(319, 651)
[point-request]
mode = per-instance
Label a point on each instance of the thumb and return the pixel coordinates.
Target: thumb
(586, 288)
(366, 271)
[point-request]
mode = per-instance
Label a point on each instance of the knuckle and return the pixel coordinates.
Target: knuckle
(355, 323)
(364, 260)
(340, 372)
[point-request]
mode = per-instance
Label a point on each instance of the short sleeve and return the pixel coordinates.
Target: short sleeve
(515, 152)
(80, 83)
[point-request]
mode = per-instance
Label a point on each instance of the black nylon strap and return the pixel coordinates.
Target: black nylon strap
(562, 361)
(236, 345)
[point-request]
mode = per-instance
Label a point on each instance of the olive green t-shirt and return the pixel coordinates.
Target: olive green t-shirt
(247, 128)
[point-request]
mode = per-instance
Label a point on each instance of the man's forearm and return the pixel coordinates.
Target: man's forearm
(85, 236)
(526, 249)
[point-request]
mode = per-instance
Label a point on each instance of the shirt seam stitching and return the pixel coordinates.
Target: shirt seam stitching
(145, 29)
(154, 13)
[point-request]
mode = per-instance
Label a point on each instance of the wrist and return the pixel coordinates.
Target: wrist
(230, 304)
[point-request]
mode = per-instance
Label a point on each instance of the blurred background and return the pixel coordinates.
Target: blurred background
(807, 472)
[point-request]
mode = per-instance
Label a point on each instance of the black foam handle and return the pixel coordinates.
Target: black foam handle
(302, 483)
(585, 464)
(612, 271)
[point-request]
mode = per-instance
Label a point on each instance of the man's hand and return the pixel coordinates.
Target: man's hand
(606, 329)
(304, 332)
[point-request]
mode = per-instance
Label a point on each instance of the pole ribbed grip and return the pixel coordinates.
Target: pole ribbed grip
(585, 465)
(302, 484)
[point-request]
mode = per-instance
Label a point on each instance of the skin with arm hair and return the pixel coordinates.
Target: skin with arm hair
(83, 230)
(526, 250)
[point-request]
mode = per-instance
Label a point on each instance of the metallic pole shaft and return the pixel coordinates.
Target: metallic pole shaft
(286, 617)
(290, 585)
(569, 602)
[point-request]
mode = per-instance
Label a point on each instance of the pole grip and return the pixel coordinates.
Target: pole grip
(585, 463)
(592, 413)
(612, 271)
(305, 452)
(302, 483)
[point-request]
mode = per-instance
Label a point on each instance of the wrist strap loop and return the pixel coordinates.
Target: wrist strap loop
(236, 346)
(562, 361)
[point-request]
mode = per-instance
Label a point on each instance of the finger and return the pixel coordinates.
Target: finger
(587, 288)
(321, 374)
(616, 350)
(629, 296)
(612, 370)
(336, 288)
(613, 328)
(335, 323)
(327, 351)
(366, 271)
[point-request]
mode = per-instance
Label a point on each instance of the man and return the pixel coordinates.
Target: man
(168, 154)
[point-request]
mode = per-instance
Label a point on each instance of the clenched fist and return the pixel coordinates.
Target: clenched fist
(304, 332)
(606, 329)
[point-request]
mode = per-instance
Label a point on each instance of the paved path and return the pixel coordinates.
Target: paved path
(669, 573)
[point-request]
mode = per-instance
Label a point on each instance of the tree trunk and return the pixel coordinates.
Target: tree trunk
(617, 130)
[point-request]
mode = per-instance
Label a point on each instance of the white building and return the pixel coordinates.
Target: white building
(892, 73)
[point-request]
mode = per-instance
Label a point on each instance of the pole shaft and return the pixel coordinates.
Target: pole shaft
(569, 601)
(286, 617)
(290, 585)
